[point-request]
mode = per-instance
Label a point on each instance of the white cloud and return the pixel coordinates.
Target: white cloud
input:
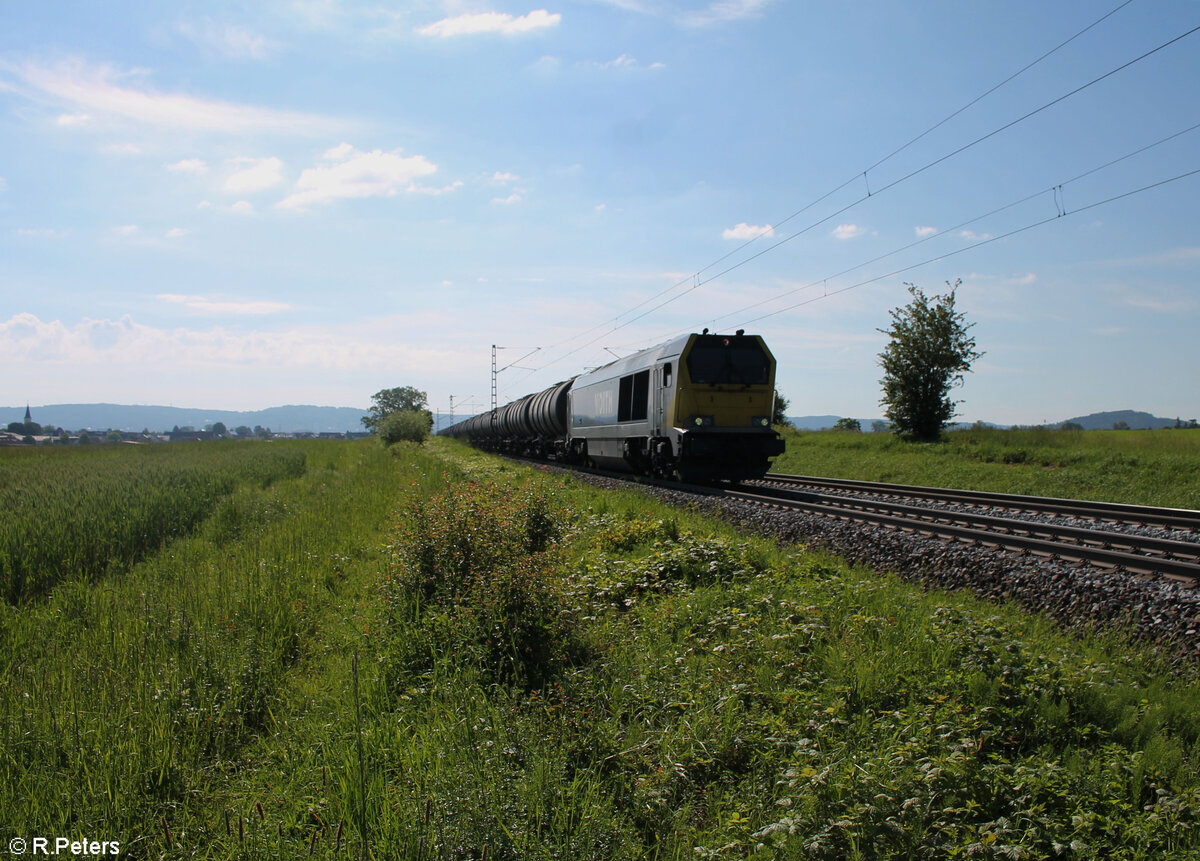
(747, 231)
(255, 174)
(429, 190)
(513, 198)
(103, 91)
(234, 43)
(625, 62)
(848, 231)
(504, 178)
(126, 230)
(924, 232)
(972, 236)
(189, 165)
(242, 207)
(206, 305)
(546, 65)
(339, 153)
(490, 22)
(31, 342)
(359, 174)
(1160, 305)
(177, 232)
(122, 149)
(72, 120)
(724, 12)
(41, 233)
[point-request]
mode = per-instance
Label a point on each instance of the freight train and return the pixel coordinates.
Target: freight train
(697, 408)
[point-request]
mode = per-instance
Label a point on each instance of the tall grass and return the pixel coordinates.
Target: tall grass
(429, 654)
(730, 700)
(78, 513)
(125, 703)
(1159, 467)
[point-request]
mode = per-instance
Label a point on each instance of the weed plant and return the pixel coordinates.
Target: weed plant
(733, 700)
(474, 579)
(428, 653)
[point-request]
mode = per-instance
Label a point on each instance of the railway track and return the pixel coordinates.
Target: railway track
(1006, 521)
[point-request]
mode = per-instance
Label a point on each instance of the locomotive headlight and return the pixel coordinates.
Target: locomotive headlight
(702, 421)
(761, 422)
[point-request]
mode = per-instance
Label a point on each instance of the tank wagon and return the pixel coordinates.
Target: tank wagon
(697, 408)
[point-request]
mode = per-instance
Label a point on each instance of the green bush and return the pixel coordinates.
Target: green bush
(410, 425)
(476, 576)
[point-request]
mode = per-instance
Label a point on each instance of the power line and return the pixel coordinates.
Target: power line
(986, 241)
(1060, 209)
(924, 168)
(697, 282)
(695, 277)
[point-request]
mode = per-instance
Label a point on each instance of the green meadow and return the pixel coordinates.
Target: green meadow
(425, 652)
(1159, 467)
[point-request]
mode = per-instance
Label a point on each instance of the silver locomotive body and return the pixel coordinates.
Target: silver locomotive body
(696, 408)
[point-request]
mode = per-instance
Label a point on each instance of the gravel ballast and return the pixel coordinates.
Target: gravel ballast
(1157, 611)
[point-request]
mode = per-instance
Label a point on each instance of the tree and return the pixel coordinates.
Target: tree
(778, 418)
(401, 399)
(852, 425)
(219, 429)
(411, 425)
(928, 354)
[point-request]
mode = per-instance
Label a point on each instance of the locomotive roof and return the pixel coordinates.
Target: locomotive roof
(640, 360)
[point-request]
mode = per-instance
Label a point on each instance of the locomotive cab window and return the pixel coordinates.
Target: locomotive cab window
(633, 397)
(666, 377)
(717, 360)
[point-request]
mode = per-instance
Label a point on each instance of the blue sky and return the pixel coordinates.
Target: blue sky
(237, 206)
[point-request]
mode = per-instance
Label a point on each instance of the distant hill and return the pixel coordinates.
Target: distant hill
(813, 422)
(285, 419)
(824, 422)
(1134, 419)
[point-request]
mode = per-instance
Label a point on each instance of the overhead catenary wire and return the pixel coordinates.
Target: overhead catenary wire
(694, 278)
(697, 282)
(1056, 190)
(1058, 216)
(987, 241)
(913, 173)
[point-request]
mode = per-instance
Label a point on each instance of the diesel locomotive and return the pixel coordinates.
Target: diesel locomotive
(697, 408)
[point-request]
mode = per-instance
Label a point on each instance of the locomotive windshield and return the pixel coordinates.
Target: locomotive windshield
(720, 359)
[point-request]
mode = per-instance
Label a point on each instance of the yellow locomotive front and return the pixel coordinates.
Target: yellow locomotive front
(719, 417)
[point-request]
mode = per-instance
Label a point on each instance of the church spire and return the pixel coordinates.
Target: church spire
(28, 417)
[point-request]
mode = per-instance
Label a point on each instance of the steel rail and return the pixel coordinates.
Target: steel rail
(1141, 515)
(1180, 560)
(1096, 547)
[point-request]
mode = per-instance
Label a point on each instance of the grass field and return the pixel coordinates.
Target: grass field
(1160, 467)
(428, 653)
